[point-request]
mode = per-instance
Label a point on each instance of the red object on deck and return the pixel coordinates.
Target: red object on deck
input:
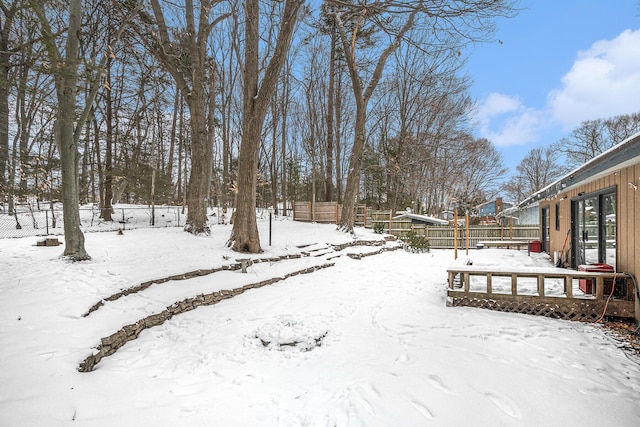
(586, 285)
(535, 246)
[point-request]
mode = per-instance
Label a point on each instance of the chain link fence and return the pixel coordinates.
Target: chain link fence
(27, 221)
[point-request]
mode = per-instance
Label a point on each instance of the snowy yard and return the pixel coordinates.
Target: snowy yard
(366, 342)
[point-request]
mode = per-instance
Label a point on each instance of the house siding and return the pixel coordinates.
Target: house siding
(627, 188)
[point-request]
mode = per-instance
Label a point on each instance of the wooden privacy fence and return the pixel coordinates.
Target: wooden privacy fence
(438, 236)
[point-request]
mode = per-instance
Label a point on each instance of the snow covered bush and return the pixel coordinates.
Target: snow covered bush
(412, 242)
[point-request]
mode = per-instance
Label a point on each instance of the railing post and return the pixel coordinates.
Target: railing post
(541, 285)
(489, 283)
(599, 287)
(514, 284)
(466, 281)
(568, 286)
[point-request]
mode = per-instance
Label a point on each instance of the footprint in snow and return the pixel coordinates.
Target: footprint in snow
(503, 403)
(422, 408)
(437, 382)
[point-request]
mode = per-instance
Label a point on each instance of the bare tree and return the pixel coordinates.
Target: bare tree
(466, 20)
(68, 127)
(6, 51)
(183, 53)
(622, 127)
(480, 171)
(65, 65)
(257, 96)
(539, 168)
(585, 142)
(593, 137)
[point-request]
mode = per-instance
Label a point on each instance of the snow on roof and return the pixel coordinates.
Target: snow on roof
(422, 218)
(618, 156)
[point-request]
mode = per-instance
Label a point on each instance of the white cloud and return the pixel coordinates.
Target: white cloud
(516, 124)
(604, 81)
(497, 104)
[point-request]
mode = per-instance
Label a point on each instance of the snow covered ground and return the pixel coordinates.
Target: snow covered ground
(367, 342)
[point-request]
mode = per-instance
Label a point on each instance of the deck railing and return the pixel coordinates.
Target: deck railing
(566, 300)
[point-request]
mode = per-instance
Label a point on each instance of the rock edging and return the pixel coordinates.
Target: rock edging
(109, 345)
(182, 276)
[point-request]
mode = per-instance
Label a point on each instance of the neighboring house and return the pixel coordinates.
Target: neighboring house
(590, 215)
(492, 208)
(526, 215)
(447, 215)
(421, 219)
(493, 211)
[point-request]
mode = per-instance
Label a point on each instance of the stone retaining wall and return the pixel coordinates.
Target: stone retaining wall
(109, 345)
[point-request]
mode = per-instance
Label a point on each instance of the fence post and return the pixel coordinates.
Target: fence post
(510, 228)
(455, 233)
(466, 225)
(46, 220)
(364, 214)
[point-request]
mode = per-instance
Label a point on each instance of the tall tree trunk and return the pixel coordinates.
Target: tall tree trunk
(330, 112)
(66, 78)
(107, 207)
(201, 150)
(284, 103)
(338, 139)
(6, 25)
(245, 237)
(362, 97)
(212, 129)
(172, 142)
(274, 158)
(181, 155)
(96, 149)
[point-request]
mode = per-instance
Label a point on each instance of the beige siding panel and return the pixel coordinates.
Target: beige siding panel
(634, 213)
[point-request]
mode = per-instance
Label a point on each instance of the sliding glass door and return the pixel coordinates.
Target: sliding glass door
(594, 228)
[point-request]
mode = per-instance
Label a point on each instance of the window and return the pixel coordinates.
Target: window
(557, 215)
(593, 218)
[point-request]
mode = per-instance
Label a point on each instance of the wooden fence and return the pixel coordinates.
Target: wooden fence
(438, 236)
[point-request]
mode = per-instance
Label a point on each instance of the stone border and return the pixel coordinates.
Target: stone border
(109, 345)
(233, 267)
(378, 252)
(183, 276)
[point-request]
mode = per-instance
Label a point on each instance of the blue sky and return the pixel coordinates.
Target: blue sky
(559, 62)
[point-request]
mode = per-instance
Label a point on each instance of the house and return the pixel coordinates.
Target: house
(528, 215)
(589, 216)
(492, 208)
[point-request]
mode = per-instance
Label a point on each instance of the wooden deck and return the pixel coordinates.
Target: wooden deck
(566, 303)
